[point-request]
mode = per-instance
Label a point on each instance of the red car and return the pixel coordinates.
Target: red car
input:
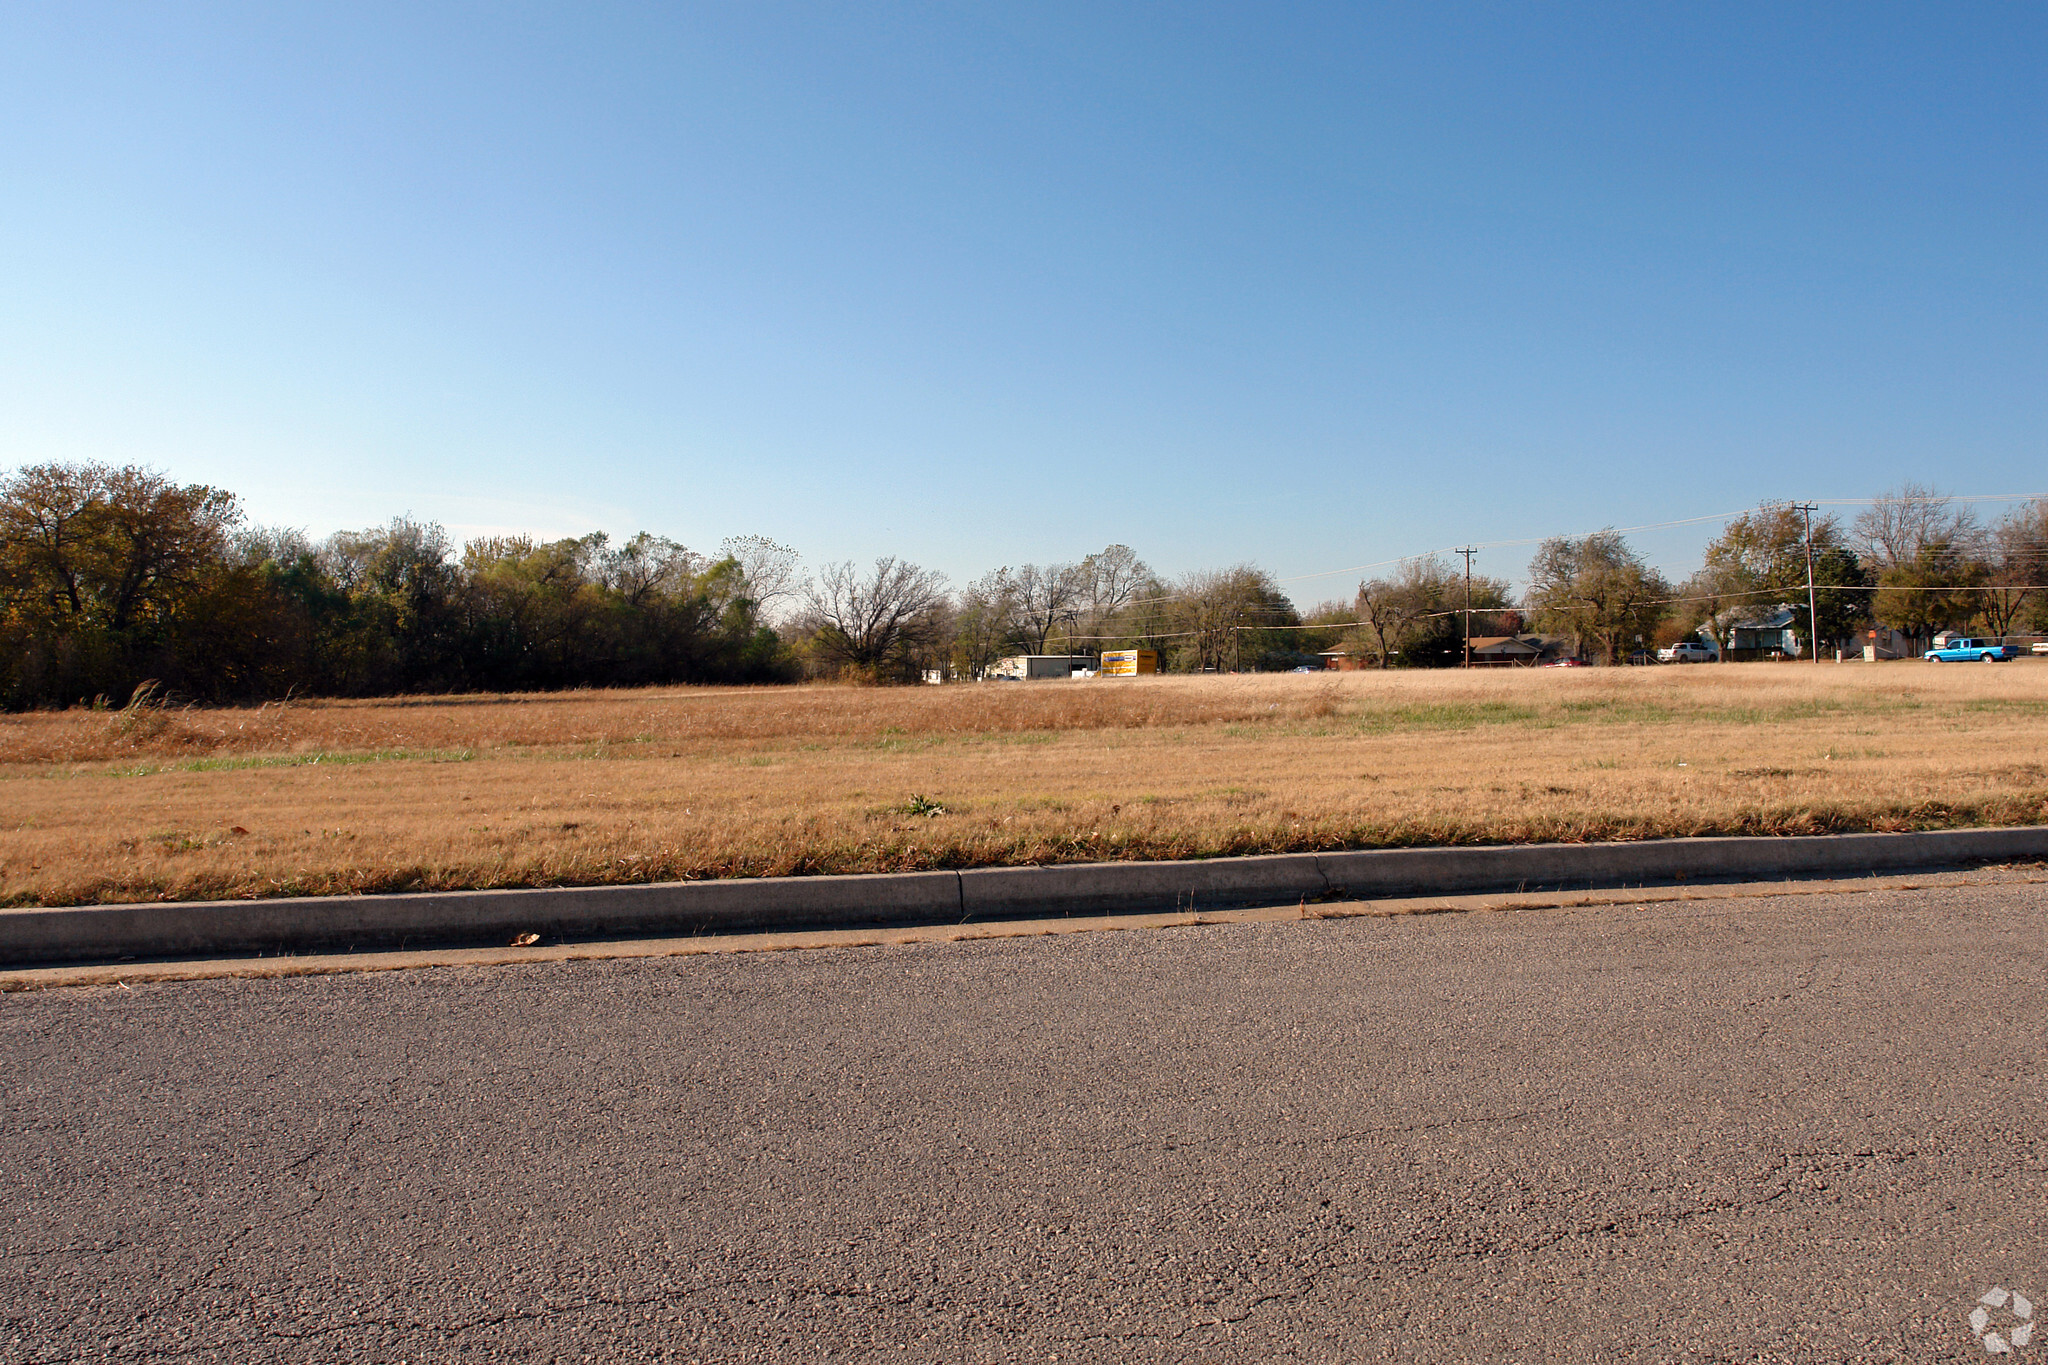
(1566, 663)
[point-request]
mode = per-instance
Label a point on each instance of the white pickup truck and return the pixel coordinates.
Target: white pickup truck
(1686, 652)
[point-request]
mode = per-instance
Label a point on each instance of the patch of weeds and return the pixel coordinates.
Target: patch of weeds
(1762, 772)
(1449, 716)
(222, 765)
(178, 841)
(1042, 803)
(1618, 711)
(904, 743)
(920, 804)
(2007, 706)
(1814, 708)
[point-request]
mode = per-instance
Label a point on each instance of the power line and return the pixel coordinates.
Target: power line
(1649, 526)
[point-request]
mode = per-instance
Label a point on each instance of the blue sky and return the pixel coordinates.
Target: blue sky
(1312, 286)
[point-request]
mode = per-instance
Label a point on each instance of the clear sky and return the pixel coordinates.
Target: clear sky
(1312, 286)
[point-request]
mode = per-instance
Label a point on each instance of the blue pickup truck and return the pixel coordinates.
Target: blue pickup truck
(1972, 651)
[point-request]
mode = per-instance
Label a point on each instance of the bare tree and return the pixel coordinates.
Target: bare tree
(873, 625)
(281, 545)
(767, 571)
(1901, 528)
(1110, 578)
(2019, 558)
(407, 559)
(1385, 610)
(1213, 608)
(1047, 596)
(982, 621)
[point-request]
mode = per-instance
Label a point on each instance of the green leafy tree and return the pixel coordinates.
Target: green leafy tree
(110, 575)
(1931, 592)
(1416, 616)
(1597, 590)
(1760, 558)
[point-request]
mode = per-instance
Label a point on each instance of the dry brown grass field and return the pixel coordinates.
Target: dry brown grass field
(591, 787)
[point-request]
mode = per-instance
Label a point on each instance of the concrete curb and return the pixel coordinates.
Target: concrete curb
(195, 928)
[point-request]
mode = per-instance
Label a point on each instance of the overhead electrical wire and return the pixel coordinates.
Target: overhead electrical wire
(1646, 526)
(1613, 530)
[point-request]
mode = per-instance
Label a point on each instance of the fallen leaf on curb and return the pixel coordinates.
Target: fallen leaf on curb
(525, 940)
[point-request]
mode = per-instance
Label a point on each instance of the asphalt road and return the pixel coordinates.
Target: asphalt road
(1806, 1128)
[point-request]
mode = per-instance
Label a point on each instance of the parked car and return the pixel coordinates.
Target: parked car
(1566, 663)
(1965, 650)
(1686, 652)
(2041, 646)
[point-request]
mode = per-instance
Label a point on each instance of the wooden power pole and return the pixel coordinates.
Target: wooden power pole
(1468, 551)
(1806, 511)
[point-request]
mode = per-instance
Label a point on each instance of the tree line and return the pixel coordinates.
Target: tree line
(111, 577)
(1913, 561)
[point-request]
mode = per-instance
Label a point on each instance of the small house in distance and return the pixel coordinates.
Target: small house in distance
(1506, 651)
(1758, 632)
(1488, 651)
(1028, 667)
(1129, 663)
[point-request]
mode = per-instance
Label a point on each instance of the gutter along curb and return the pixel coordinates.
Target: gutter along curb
(194, 928)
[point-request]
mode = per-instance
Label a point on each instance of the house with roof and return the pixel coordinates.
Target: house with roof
(1758, 632)
(1506, 651)
(1521, 651)
(1488, 651)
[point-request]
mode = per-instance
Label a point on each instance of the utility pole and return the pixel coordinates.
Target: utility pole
(1806, 511)
(1468, 551)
